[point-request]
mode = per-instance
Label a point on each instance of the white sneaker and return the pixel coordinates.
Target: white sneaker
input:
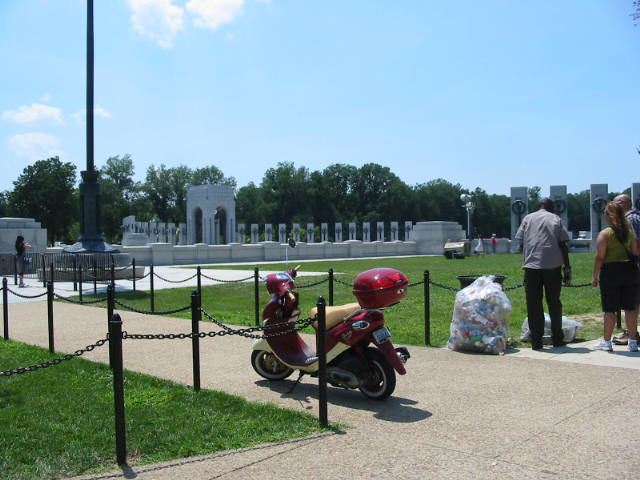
(604, 345)
(633, 345)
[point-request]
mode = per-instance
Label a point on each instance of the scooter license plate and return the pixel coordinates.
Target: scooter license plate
(381, 335)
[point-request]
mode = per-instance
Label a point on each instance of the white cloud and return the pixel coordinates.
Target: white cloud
(100, 112)
(46, 97)
(213, 13)
(35, 145)
(34, 113)
(157, 19)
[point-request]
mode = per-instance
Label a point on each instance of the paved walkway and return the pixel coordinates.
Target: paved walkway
(566, 413)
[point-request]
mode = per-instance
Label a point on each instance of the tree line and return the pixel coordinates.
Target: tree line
(48, 192)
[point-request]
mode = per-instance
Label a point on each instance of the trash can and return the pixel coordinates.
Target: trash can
(466, 280)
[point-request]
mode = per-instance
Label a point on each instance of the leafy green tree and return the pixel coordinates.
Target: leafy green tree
(439, 200)
(211, 175)
(119, 194)
(284, 191)
(44, 191)
(250, 206)
(158, 189)
(4, 204)
(579, 211)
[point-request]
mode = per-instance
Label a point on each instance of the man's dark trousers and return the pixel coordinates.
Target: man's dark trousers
(534, 282)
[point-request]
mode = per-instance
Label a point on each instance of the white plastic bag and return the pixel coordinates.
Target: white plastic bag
(569, 330)
(480, 317)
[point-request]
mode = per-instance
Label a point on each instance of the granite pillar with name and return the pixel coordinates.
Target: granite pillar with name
(408, 226)
(255, 233)
(352, 231)
(598, 199)
(310, 233)
(366, 232)
(338, 232)
(519, 206)
(558, 193)
(394, 231)
(380, 231)
(282, 232)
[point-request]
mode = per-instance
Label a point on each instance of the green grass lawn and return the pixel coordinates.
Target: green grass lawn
(59, 422)
(233, 303)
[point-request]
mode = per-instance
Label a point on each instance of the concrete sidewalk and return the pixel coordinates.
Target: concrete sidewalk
(524, 415)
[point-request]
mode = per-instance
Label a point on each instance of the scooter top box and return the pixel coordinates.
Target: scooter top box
(380, 287)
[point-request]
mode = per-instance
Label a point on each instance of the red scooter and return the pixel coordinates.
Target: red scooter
(359, 349)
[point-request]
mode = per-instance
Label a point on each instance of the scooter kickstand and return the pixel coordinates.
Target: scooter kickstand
(300, 375)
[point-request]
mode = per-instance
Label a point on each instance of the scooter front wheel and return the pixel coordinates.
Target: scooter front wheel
(267, 365)
(381, 379)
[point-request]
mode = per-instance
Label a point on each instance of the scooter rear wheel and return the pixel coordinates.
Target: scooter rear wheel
(381, 380)
(267, 365)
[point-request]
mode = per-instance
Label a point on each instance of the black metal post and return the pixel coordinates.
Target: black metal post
(152, 297)
(115, 338)
(75, 273)
(427, 309)
(321, 349)
(196, 315)
(331, 286)
(44, 272)
(199, 278)
(51, 273)
(95, 276)
(80, 281)
(15, 270)
(133, 262)
(110, 308)
(5, 308)
(113, 273)
(50, 314)
(256, 294)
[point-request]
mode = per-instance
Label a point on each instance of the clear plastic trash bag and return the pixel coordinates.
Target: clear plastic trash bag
(569, 330)
(480, 318)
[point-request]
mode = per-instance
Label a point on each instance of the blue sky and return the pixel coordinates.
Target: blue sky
(489, 94)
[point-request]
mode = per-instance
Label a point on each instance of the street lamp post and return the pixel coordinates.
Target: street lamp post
(468, 205)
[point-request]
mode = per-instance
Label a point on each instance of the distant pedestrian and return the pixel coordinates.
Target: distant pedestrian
(494, 243)
(479, 248)
(616, 275)
(21, 258)
(633, 216)
(543, 241)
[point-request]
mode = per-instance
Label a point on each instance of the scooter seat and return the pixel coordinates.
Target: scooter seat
(335, 314)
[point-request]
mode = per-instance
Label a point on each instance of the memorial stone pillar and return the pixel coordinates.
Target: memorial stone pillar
(519, 208)
(255, 233)
(408, 226)
(282, 233)
(598, 199)
(296, 232)
(310, 233)
(352, 231)
(338, 232)
(394, 231)
(366, 232)
(558, 193)
(268, 232)
(380, 231)
(324, 232)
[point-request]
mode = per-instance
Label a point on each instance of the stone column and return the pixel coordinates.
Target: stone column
(366, 232)
(241, 233)
(598, 199)
(408, 226)
(310, 233)
(282, 233)
(394, 231)
(519, 208)
(338, 232)
(380, 231)
(352, 231)
(558, 193)
(268, 232)
(324, 232)
(296, 232)
(255, 233)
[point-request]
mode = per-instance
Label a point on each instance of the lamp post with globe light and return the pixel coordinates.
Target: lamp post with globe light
(468, 205)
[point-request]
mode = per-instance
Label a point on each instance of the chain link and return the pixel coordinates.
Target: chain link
(313, 284)
(80, 302)
(26, 296)
(147, 312)
(227, 281)
(175, 281)
(55, 361)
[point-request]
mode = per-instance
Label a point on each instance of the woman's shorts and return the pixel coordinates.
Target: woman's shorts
(618, 286)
